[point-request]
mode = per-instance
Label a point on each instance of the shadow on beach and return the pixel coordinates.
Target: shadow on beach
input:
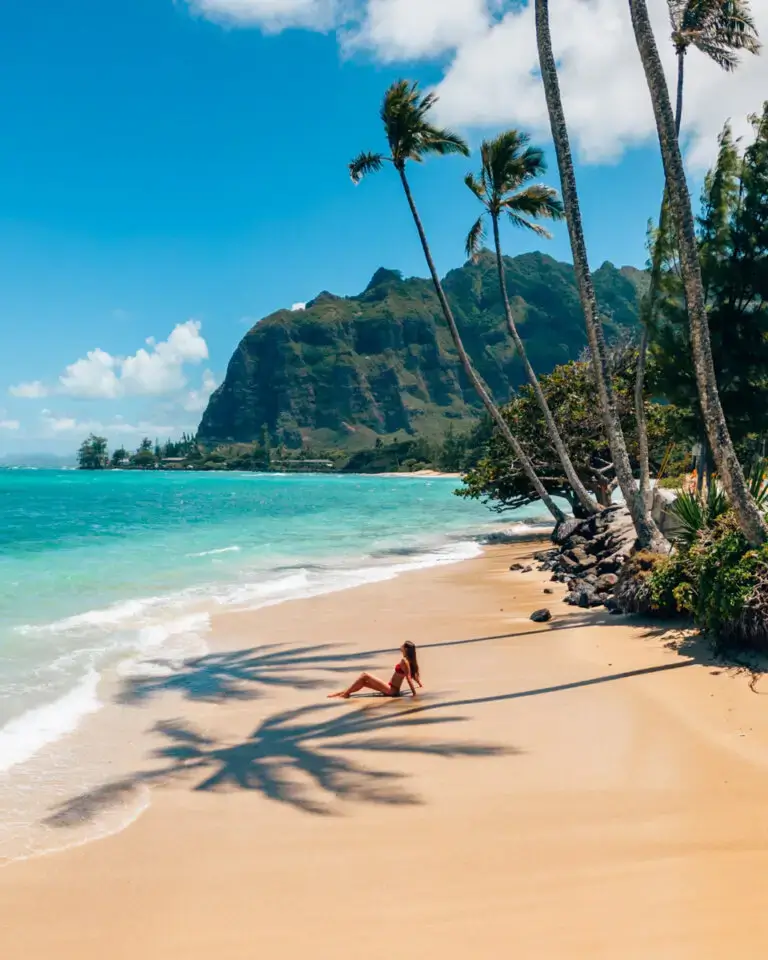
(249, 674)
(307, 758)
(313, 756)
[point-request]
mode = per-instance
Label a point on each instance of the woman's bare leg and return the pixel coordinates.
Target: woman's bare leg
(368, 681)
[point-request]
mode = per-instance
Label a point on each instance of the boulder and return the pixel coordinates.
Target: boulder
(566, 529)
(610, 564)
(516, 566)
(606, 582)
(548, 590)
(541, 616)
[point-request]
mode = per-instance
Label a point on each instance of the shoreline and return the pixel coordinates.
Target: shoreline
(568, 768)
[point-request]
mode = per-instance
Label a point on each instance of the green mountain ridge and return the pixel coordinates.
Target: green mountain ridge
(347, 370)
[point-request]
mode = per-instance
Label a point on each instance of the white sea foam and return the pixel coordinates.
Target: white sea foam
(164, 647)
(160, 644)
(22, 737)
(213, 553)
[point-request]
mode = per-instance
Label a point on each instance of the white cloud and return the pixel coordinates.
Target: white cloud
(494, 80)
(409, 29)
(54, 425)
(154, 370)
(92, 377)
(298, 307)
(9, 424)
(272, 15)
(491, 74)
(33, 390)
(197, 400)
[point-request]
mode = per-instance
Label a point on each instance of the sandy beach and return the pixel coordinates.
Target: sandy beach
(586, 788)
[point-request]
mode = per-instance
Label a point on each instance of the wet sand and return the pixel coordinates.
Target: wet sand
(587, 788)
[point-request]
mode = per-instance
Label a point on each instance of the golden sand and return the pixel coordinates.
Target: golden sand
(577, 789)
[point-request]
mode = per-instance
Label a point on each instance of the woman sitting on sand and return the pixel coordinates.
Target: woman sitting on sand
(407, 668)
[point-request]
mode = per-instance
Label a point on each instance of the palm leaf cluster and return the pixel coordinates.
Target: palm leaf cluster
(719, 29)
(504, 187)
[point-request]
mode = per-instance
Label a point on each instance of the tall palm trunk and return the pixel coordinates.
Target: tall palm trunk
(582, 494)
(648, 534)
(650, 312)
(750, 519)
(466, 363)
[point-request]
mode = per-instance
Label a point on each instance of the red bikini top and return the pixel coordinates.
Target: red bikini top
(399, 668)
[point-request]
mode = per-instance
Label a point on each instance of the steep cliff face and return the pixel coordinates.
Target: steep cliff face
(348, 369)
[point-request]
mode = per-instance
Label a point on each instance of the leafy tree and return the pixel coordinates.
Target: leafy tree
(717, 28)
(145, 455)
(569, 391)
(411, 137)
(93, 454)
(648, 533)
(119, 456)
(504, 187)
(733, 245)
(750, 518)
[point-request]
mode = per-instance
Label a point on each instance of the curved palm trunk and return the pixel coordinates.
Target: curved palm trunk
(653, 294)
(579, 489)
(648, 534)
(466, 363)
(750, 519)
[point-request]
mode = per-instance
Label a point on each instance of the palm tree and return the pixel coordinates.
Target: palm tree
(648, 534)
(717, 28)
(749, 516)
(504, 187)
(411, 137)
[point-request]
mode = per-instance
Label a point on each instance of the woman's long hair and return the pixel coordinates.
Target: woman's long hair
(410, 655)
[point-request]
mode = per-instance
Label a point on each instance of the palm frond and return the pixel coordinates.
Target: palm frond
(477, 187)
(365, 163)
(410, 136)
(441, 142)
(717, 28)
(475, 238)
(758, 483)
(697, 514)
(536, 228)
(535, 201)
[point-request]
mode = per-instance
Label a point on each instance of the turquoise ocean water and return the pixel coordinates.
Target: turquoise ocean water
(98, 570)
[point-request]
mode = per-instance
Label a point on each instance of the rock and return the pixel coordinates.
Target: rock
(612, 605)
(606, 582)
(516, 566)
(575, 584)
(545, 555)
(588, 598)
(527, 570)
(548, 590)
(567, 564)
(541, 616)
(565, 529)
(609, 565)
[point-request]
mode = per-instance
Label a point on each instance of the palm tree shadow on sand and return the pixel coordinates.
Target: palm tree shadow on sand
(309, 758)
(237, 675)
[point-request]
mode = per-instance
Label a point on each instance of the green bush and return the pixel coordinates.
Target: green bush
(673, 483)
(673, 584)
(714, 581)
(727, 576)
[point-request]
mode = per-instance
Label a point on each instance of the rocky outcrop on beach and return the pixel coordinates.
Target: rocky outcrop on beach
(344, 371)
(589, 556)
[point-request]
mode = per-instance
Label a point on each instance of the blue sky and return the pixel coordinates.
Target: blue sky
(174, 166)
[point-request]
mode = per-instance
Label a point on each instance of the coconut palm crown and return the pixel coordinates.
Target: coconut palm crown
(504, 186)
(718, 28)
(409, 134)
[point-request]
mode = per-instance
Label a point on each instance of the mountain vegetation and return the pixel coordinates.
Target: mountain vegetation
(348, 370)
